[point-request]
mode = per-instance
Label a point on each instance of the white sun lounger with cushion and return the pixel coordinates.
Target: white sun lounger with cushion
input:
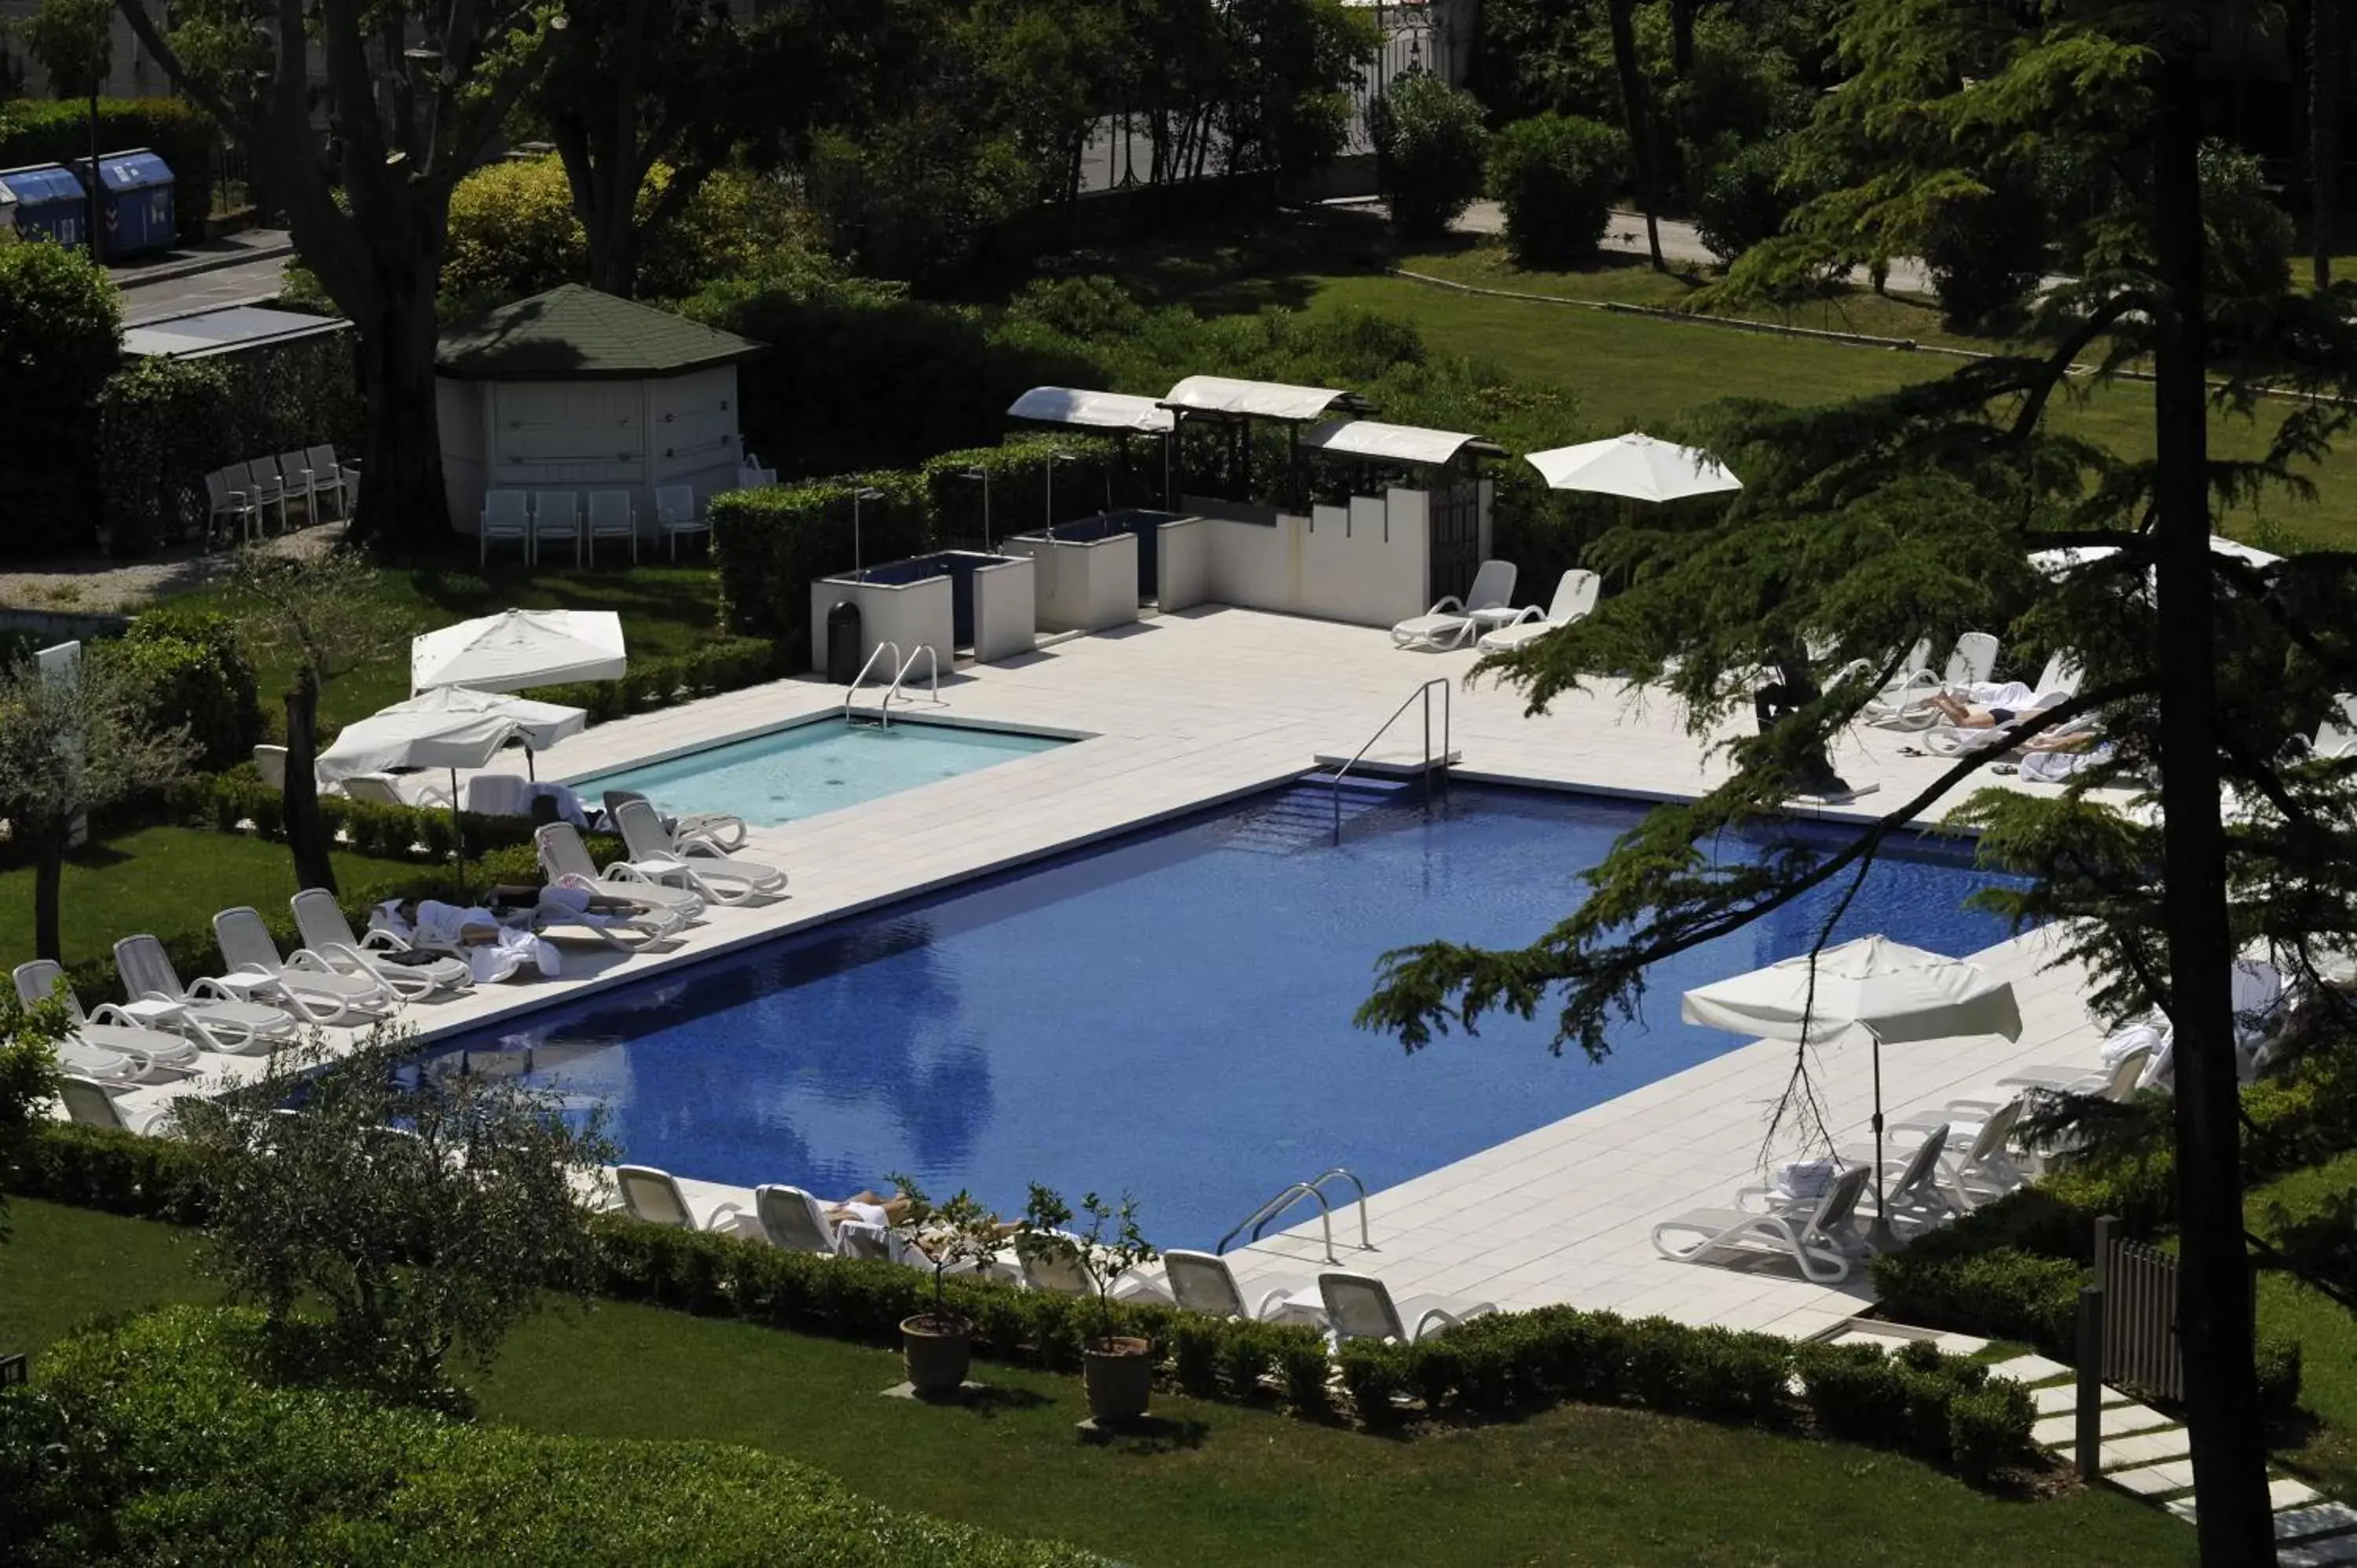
(721, 830)
(716, 875)
(567, 859)
(793, 1221)
(91, 1103)
(1359, 1307)
(110, 1031)
(1980, 1163)
(1449, 623)
(1202, 1281)
(306, 983)
(655, 1196)
(1574, 599)
(1911, 1177)
(1820, 1238)
(209, 1010)
(319, 920)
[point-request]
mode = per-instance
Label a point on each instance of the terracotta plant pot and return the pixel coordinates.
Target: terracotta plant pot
(1119, 1376)
(937, 1350)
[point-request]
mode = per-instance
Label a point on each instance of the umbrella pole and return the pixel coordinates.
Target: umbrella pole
(530, 768)
(1879, 1236)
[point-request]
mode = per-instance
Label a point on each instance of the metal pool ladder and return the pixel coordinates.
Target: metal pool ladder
(851, 694)
(933, 660)
(1260, 1218)
(1421, 694)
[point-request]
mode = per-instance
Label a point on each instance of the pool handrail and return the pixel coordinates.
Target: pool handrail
(1423, 692)
(851, 692)
(1260, 1218)
(933, 660)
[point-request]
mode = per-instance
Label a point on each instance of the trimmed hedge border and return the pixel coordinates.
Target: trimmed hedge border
(1940, 1408)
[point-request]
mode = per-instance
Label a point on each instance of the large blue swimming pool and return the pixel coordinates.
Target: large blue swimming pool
(1169, 1014)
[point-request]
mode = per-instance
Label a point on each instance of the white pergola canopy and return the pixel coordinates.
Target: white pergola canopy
(1637, 466)
(1390, 443)
(1259, 400)
(1092, 410)
(450, 728)
(516, 648)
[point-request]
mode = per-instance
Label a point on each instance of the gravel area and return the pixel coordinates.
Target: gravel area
(97, 586)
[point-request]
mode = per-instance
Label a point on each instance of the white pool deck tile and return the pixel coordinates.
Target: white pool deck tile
(1188, 711)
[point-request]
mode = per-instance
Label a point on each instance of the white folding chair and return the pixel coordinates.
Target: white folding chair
(556, 514)
(506, 515)
(330, 478)
(612, 515)
(676, 516)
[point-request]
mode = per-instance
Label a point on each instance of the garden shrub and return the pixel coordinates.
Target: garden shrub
(200, 677)
(2279, 1366)
(719, 663)
(772, 543)
(36, 131)
(1020, 486)
(2004, 1293)
(1556, 175)
(59, 332)
(1987, 1428)
(1430, 146)
(172, 1438)
(1986, 253)
(1744, 201)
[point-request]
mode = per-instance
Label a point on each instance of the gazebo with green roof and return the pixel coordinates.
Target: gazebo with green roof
(578, 390)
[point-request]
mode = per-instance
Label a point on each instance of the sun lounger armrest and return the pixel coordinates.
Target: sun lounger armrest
(1446, 1318)
(1274, 1300)
(110, 1013)
(312, 959)
(378, 939)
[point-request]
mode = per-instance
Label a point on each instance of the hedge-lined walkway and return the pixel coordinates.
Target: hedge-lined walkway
(1219, 1484)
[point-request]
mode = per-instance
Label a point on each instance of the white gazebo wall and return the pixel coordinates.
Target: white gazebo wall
(1083, 584)
(1369, 563)
(910, 615)
(1182, 576)
(587, 435)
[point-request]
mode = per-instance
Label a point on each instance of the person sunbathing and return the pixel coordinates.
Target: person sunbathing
(1971, 715)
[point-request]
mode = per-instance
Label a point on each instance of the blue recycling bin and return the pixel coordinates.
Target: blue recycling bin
(49, 204)
(136, 203)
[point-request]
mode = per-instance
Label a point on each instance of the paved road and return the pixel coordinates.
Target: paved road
(153, 290)
(1680, 244)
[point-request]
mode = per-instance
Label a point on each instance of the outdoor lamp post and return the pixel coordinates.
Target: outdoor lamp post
(865, 493)
(984, 475)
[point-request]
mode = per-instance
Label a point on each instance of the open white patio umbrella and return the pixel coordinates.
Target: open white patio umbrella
(447, 728)
(1637, 466)
(1889, 992)
(516, 648)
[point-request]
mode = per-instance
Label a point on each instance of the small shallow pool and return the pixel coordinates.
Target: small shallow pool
(1169, 1014)
(821, 766)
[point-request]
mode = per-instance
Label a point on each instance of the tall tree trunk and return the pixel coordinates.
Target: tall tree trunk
(49, 881)
(403, 506)
(2215, 1311)
(1639, 122)
(1682, 37)
(307, 830)
(2323, 133)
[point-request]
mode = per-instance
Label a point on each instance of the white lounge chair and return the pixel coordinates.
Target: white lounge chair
(793, 1221)
(110, 1030)
(1981, 1163)
(506, 519)
(209, 1010)
(675, 515)
(92, 1104)
(1053, 1264)
(653, 1197)
(496, 795)
(1202, 1281)
(1821, 1238)
(1359, 1307)
(1575, 598)
(1912, 1176)
(1449, 623)
(230, 502)
(719, 877)
(723, 832)
(309, 986)
(320, 922)
(567, 859)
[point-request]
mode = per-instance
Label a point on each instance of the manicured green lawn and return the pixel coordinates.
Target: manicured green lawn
(1221, 1485)
(161, 879)
(666, 610)
(2326, 1330)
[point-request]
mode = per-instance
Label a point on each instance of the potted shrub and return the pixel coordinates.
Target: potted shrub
(937, 1345)
(1117, 1369)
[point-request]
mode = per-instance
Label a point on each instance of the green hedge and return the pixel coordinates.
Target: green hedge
(223, 800)
(1939, 1407)
(38, 131)
(720, 662)
(201, 677)
(1019, 489)
(772, 543)
(173, 1438)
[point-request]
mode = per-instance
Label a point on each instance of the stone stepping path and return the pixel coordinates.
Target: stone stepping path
(2144, 1453)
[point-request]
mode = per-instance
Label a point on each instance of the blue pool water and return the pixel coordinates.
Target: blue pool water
(1169, 1014)
(812, 767)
